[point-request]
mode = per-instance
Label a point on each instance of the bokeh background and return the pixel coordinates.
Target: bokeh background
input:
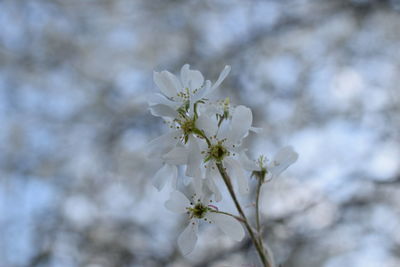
(321, 75)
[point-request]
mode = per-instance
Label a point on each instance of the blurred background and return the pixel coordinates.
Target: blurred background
(321, 75)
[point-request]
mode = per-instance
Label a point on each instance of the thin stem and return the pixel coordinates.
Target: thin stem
(256, 243)
(258, 225)
(220, 121)
(257, 206)
(229, 214)
(201, 134)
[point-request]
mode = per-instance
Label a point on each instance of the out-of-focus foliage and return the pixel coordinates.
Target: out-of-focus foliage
(322, 76)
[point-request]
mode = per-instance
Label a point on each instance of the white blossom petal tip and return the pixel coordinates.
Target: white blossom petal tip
(177, 202)
(194, 158)
(192, 79)
(166, 82)
(248, 164)
(176, 156)
(165, 173)
(283, 159)
(188, 238)
(161, 110)
(287, 154)
(224, 73)
(242, 118)
(236, 171)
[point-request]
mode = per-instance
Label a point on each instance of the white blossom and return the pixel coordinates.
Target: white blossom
(183, 92)
(200, 208)
(225, 137)
(285, 157)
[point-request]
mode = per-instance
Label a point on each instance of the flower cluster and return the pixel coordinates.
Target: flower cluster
(205, 138)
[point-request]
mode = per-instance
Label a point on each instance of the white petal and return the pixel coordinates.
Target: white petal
(194, 158)
(209, 109)
(214, 188)
(248, 164)
(192, 79)
(211, 175)
(177, 156)
(235, 170)
(155, 99)
(282, 160)
(163, 174)
(200, 93)
(185, 75)
(162, 144)
(177, 202)
(286, 154)
(221, 78)
(191, 109)
(161, 110)
(205, 196)
(227, 224)
(167, 83)
(197, 185)
(207, 124)
(188, 238)
(174, 179)
(242, 119)
(224, 132)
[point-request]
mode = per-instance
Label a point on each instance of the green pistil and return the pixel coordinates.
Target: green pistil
(217, 152)
(198, 211)
(187, 126)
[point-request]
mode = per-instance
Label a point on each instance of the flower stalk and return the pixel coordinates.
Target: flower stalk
(240, 219)
(257, 242)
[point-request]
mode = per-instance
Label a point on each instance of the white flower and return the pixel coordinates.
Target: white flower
(285, 157)
(200, 209)
(225, 138)
(183, 92)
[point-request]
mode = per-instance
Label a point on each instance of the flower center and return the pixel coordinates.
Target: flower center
(218, 152)
(198, 211)
(187, 126)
